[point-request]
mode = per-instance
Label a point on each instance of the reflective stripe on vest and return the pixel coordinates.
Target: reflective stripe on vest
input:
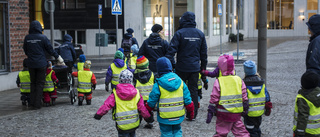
(199, 82)
(25, 82)
(313, 125)
(80, 65)
(133, 61)
(84, 81)
(116, 73)
(256, 101)
(171, 103)
(145, 88)
(231, 93)
(126, 112)
(48, 85)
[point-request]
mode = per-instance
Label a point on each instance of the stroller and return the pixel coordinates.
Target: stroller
(66, 80)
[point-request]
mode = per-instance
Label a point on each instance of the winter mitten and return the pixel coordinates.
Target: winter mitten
(245, 108)
(107, 87)
(149, 119)
(205, 86)
(58, 85)
(94, 87)
(204, 72)
(190, 111)
(97, 117)
(148, 107)
(268, 107)
(60, 59)
(211, 113)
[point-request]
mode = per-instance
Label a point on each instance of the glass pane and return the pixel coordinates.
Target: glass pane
(205, 17)
(72, 34)
(180, 7)
(81, 4)
(229, 15)
(81, 37)
(63, 4)
(240, 6)
(2, 44)
(70, 4)
(287, 14)
(216, 17)
(312, 5)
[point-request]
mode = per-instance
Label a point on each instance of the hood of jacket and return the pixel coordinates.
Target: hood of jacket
(253, 80)
(35, 27)
(127, 35)
(154, 38)
(313, 95)
(118, 62)
(142, 75)
(67, 38)
(226, 64)
(188, 20)
(169, 81)
(126, 91)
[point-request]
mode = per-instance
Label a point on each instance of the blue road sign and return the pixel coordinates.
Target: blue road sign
(100, 11)
(220, 9)
(116, 7)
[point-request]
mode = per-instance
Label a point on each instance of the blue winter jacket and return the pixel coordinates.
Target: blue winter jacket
(172, 85)
(128, 36)
(36, 45)
(153, 48)
(253, 81)
(66, 50)
(190, 45)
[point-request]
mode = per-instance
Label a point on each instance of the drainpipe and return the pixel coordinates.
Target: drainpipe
(318, 6)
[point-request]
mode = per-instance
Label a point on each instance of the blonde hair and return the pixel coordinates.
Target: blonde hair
(161, 36)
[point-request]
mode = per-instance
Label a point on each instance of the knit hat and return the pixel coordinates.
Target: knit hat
(130, 30)
(249, 68)
(118, 55)
(134, 49)
(314, 23)
(142, 62)
(126, 76)
(49, 65)
(309, 80)
(121, 49)
(87, 64)
(82, 58)
(163, 65)
(156, 28)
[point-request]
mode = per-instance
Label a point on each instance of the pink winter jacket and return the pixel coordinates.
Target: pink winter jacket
(226, 66)
(125, 91)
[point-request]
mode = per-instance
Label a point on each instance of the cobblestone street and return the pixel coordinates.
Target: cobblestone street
(285, 65)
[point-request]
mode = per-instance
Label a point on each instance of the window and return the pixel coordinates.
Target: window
(280, 14)
(72, 4)
(4, 46)
(240, 13)
(229, 16)
(216, 17)
(78, 36)
(312, 5)
(205, 17)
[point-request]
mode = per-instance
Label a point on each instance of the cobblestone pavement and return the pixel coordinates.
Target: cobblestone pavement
(285, 65)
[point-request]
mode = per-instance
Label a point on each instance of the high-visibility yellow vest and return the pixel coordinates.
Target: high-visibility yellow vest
(231, 93)
(48, 85)
(171, 103)
(126, 112)
(199, 82)
(25, 81)
(116, 73)
(84, 81)
(256, 101)
(313, 126)
(80, 65)
(133, 62)
(145, 88)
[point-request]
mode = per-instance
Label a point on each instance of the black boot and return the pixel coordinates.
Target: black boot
(46, 104)
(80, 101)
(88, 102)
(24, 103)
(53, 101)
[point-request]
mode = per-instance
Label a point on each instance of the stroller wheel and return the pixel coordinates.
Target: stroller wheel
(72, 96)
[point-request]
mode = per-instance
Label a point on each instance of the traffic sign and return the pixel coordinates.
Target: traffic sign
(100, 11)
(116, 7)
(220, 9)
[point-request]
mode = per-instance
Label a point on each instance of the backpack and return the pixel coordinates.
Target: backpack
(126, 44)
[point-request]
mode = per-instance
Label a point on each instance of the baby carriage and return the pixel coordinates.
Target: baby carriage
(66, 82)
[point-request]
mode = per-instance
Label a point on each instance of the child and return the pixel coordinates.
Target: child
(205, 85)
(172, 96)
(144, 81)
(79, 65)
(228, 100)
(126, 103)
(49, 90)
(86, 80)
(307, 107)
(23, 81)
(259, 99)
(114, 70)
(133, 57)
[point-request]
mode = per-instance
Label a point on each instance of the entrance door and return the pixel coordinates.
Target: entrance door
(312, 7)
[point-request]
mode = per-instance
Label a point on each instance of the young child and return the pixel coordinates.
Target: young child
(80, 64)
(127, 103)
(49, 90)
(86, 82)
(133, 57)
(201, 79)
(228, 100)
(307, 107)
(172, 97)
(23, 81)
(259, 99)
(114, 70)
(144, 81)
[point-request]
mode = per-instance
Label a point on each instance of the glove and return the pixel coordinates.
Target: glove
(107, 87)
(60, 60)
(97, 117)
(18, 85)
(149, 119)
(211, 113)
(204, 72)
(190, 111)
(58, 85)
(205, 86)
(148, 107)
(268, 107)
(245, 108)
(94, 87)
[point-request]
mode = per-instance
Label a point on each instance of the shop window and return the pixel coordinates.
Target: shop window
(280, 14)
(312, 5)
(72, 4)
(239, 18)
(205, 17)
(216, 17)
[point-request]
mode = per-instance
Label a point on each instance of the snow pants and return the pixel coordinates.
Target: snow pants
(170, 130)
(237, 128)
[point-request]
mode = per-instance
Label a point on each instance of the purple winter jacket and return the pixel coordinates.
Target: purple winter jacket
(119, 63)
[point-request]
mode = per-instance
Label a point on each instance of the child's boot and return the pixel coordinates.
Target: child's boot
(80, 100)
(53, 101)
(24, 102)
(88, 102)
(148, 125)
